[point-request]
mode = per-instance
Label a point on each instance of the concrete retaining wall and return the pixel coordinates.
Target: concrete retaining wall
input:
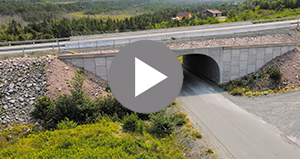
(96, 63)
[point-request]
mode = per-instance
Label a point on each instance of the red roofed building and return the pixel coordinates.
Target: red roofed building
(212, 13)
(180, 15)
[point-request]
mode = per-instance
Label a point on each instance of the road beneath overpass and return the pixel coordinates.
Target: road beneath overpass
(237, 133)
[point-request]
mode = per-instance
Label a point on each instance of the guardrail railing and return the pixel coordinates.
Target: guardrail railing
(33, 41)
(268, 20)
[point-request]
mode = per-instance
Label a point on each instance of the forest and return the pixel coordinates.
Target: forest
(49, 24)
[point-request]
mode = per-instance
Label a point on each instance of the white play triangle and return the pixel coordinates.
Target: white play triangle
(146, 77)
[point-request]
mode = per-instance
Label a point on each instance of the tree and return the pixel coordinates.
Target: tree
(264, 5)
(231, 13)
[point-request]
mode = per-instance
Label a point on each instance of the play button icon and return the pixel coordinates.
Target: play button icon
(145, 76)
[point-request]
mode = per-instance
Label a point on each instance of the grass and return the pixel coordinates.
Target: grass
(100, 16)
(100, 140)
(279, 14)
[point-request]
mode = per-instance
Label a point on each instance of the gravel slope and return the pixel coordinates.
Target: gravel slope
(281, 111)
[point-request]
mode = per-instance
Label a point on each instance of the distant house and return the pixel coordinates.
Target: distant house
(175, 18)
(212, 13)
(180, 15)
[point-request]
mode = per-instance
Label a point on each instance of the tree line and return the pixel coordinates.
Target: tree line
(50, 27)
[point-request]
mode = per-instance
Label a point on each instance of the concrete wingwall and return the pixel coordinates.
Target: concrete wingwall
(98, 64)
(233, 61)
(220, 64)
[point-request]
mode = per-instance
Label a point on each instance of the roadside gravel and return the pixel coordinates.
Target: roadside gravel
(281, 111)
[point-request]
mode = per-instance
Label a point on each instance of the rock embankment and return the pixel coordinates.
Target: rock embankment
(23, 80)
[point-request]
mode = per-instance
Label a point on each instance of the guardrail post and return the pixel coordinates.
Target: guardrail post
(33, 41)
(78, 47)
(295, 35)
(58, 47)
(298, 21)
(23, 50)
(97, 46)
(9, 43)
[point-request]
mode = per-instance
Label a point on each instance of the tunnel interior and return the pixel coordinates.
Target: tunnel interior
(203, 65)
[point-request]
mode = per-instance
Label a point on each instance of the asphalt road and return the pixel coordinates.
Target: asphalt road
(155, 36)
(239, 133)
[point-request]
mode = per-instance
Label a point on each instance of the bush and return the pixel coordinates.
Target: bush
(275, 73)
(107, 89)
(78, 107)
(265, 92)
(160, 125)
(197, 134)
(66, 124)
(237, 91)
(178, 118)
(132, 123)
(248, 93)
(81, 72)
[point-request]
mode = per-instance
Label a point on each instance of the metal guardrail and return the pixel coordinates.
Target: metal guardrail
(268, 20)
(33, 41)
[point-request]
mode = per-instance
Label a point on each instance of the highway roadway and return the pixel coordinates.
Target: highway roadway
(237, 132)
(225, 30)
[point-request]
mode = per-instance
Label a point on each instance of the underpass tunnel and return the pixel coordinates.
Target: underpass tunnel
(203, 65)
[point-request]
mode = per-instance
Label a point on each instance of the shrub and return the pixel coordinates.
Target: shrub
(44, 110)
(107, 89)
(248, 93)
(265, 92)
(115, 118)
(81, 72)
(238, 83)
(78, 107)
(131, 123)
(209, 151)
(66, 124)
(237, 91)
(197, 134)
(179, 118)
(160, 125)
(275, 73)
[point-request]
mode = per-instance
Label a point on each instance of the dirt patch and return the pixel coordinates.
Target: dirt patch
(60, 74)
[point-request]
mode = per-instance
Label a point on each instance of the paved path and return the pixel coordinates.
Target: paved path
(240, 133)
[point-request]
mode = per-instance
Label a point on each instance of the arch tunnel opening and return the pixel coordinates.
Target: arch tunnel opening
(203, 65)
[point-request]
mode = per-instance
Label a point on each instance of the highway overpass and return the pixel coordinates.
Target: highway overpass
(234, 132)
(220, 64)
(158, 35)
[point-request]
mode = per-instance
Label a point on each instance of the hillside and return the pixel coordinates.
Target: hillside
(52, 109)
